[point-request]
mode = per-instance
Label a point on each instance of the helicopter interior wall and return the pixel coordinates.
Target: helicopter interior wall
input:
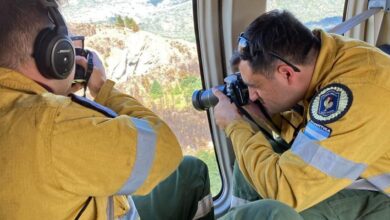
(375, 30)
(237, 15)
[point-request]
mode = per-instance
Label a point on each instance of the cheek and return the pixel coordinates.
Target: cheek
(71, 76)
(69, 80)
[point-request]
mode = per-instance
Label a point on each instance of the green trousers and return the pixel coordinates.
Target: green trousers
(184, 195)
(347, 204)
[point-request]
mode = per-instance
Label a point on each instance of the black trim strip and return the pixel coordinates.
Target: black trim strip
(83, 208)
(196, 29)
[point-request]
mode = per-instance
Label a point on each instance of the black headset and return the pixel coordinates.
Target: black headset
(54, 53)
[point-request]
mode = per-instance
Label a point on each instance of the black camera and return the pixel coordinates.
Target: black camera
(234, 88)
(81, 75)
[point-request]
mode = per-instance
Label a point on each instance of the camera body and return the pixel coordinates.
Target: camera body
(234, 88)
(80, 74)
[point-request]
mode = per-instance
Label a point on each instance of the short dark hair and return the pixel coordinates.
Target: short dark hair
(235, 61)
(278, 32)
(20, 23)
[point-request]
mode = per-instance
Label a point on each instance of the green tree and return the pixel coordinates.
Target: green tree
(189, 84)
(130, 23)
(176, 90)
(175, 95)
(156, 91)
(119, 21)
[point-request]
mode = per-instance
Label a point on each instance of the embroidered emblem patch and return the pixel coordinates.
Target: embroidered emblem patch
(331, 103)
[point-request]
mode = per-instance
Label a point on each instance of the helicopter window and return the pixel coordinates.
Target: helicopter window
(148, 47)
(324, 14)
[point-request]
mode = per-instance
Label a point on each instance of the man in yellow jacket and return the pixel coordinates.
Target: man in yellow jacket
(339, 162)
(66, 157)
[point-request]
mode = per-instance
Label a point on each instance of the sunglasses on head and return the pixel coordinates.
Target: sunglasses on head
(243, 44)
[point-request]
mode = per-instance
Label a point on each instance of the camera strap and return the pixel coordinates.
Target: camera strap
(282, 144)
(266, 115)
(297, 108)
(83, 208)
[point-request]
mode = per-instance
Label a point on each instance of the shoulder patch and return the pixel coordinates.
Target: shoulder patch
(330, 103)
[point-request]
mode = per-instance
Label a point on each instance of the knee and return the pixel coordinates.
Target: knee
(191, 163)
(191, 166)
(275, 205)
(265, 209)
(278, 210)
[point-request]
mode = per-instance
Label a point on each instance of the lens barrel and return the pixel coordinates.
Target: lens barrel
(205, 99)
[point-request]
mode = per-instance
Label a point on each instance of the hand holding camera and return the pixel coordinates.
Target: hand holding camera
(225, 111)
(90, 71)
(232, 102)
(82, 74)
(234, 88)
(228, 96)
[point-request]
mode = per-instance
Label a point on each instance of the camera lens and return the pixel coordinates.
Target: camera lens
(205, 99)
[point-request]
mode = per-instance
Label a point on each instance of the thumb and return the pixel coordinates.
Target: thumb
(75, 87)
(81, 61)
(218, 93)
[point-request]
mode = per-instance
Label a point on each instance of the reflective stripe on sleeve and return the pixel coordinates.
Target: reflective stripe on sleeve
(110, 208)
(133, 213)
(204, 207)
(328, 162)
(362, 184)
(145, 151)
(382, 182)
(376, 183)
(315, 133)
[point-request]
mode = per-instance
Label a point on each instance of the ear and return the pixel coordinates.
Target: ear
(287, 73)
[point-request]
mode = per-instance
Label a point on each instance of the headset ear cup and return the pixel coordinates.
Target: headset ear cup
(40, 52)
(63, 57)
(54, 54)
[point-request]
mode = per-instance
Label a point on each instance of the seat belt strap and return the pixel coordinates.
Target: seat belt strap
(352, 22)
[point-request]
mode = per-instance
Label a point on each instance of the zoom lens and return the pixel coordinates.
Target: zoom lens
(205, 99)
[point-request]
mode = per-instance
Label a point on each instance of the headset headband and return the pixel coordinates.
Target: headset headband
(59, 22)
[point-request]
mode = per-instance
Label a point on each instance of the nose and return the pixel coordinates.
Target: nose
(253, 96)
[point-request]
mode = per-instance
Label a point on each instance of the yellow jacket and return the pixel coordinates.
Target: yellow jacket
(55, 153)
(345, 140)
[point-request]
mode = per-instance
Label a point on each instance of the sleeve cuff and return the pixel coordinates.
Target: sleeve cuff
(104, 92)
